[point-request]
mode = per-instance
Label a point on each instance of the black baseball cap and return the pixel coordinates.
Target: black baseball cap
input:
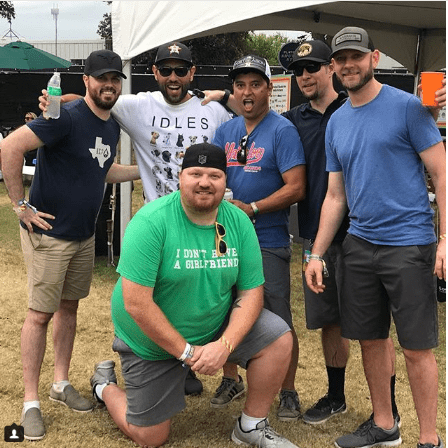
(249, 64)
(205, 155)
(173, 50)
(352, 38)
(311, 50)
(103, 61)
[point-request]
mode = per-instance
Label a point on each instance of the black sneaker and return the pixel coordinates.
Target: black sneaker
(431, 445)
(227, 391)
(324, 409)
(368, 435)
(193, 385)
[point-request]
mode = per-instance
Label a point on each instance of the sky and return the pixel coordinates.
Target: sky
(76, 20)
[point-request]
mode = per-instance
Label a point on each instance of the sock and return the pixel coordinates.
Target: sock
(392, 394)
(30, 404)
(60, 385)
(99, 390)
(336, 383)
(250, 423)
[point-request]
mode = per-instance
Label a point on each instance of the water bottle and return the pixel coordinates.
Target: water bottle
(54, 97)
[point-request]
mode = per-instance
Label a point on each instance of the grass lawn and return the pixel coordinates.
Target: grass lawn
(198, 426)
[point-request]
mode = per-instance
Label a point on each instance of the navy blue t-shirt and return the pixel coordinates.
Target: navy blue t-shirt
(69, 182)
(312, 125)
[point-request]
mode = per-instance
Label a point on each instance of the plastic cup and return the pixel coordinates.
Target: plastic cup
(431, 82)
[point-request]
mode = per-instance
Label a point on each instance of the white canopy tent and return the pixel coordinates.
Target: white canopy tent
(413, 33)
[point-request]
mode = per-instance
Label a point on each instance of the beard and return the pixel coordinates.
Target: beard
(366, 77)
(104, 104)
(177, 98)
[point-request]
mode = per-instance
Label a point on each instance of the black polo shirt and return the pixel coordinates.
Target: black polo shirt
(311, 125)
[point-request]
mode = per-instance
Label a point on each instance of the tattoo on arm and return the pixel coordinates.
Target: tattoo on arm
(236, 304)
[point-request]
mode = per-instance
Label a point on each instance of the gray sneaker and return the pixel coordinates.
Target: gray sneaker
(104, 373)
(369, 435)
(263, 437)
(227, 391)
(289, 408)
(70, 397)
(33, 424)
(431, 445)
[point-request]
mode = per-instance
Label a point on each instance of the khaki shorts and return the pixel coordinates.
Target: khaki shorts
(57, 269)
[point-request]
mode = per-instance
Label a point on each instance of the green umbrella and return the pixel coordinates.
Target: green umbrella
(23, 56)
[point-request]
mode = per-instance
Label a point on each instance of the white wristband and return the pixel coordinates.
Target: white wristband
(185, 353)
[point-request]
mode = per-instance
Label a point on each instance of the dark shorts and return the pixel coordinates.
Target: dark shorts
(384, 280)
(323, 309)
(155, 390)
(277, 289)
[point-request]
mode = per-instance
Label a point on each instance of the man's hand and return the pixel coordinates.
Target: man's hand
(29, 217)
(314, 277)
(208, 359)
(43, 102)
(440, 265)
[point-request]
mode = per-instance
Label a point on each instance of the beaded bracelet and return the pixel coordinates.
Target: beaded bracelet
(442, 237)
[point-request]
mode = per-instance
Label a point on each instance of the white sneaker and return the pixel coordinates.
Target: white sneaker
(263, 437)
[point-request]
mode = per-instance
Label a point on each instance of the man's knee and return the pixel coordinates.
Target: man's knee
(150, 436)
(283, 345)
(38, 318)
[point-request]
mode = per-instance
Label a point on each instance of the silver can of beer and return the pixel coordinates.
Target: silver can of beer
(228, 194)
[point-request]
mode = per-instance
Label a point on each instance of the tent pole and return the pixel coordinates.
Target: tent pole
(126, 159)
(418, 59)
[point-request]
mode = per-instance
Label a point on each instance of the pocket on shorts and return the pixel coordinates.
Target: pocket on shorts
(35, 239)
(427, 254)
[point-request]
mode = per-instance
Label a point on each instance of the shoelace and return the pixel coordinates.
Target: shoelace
(287, 399)
(227, 383)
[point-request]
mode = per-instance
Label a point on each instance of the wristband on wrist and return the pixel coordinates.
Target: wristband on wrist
(23, 204)
(254, 208)
(324, 265)
(226, 344)
(225, 98)
(186, 354)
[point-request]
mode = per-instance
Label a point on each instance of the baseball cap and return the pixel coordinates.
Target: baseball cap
(311, 50)
(352, 38)
(173, 50)
(103, 61)
(251, 63)
(205, 155)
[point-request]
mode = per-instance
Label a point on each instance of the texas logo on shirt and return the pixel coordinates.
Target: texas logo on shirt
(100, 152)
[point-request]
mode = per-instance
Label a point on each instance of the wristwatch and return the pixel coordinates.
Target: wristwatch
(23, 204)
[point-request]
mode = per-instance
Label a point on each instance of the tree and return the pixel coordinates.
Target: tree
(266, 46)
(7, 11)
(105, 29)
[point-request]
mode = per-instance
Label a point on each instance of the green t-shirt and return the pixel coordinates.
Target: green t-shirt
(163, 249)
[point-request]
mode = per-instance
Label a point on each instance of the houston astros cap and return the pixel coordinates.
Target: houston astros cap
(352, 38)
(311, 50)
(205, 155)
(173, 50)
(103, 61)
(251, 63)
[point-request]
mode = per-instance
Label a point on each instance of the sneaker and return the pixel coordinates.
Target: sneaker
(397, 418)
(104, 373)
(33, 424)
(428, 445)
(324, 409)
(70, 397)
(289, 408)
(368, 435)
(227, 391)
(193, 385)
(263, 436)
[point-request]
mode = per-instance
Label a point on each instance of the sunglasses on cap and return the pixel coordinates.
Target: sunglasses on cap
(180, 71)
(221, 245)
(311, 67)
(241, 155)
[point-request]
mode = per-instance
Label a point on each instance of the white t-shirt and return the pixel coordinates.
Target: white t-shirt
(161, 132)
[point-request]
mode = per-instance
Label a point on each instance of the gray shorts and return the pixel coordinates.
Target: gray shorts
(323, 309)
(277, 294)
(383, 280)
(155, 390)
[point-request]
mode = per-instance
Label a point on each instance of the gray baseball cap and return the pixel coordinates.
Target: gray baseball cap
(352, 38)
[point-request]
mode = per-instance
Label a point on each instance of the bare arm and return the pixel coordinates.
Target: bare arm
(217, 95)
(13, 148)
(122, 173)
(434, 159)
(333, 211)
(66, 98)
(293, 191)
(211, 357)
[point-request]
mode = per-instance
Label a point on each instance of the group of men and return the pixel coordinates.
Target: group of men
(204, 283)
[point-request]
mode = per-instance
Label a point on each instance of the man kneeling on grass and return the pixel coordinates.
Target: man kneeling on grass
(172, 308)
